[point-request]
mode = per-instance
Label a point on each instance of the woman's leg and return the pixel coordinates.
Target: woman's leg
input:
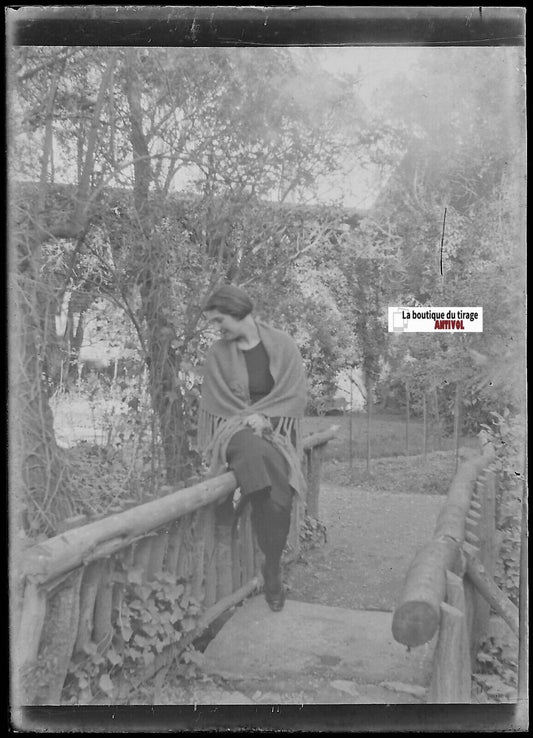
(271, 525)
(262, 474)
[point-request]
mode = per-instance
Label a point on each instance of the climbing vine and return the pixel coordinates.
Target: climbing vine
(151, 617)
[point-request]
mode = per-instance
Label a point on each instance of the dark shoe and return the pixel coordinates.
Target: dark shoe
(275, 601)
(275, 596)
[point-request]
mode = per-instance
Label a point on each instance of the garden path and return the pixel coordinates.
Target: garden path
(332, 643)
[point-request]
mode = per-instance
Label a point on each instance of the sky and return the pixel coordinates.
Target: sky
(372, 65)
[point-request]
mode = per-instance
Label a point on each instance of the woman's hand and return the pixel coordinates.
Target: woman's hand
(257, 423)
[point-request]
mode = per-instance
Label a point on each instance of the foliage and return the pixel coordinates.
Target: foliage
(507, 433)
(496, 670)
(151, 617)
(442, 171)
(312, 534)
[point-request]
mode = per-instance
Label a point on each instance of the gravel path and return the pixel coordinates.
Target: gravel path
(371, 540)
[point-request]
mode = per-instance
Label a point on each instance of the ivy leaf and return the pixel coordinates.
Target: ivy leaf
(86, 695)
(106, 685)
(188, 624)
(127, 632)
(90, 648)
(176, 615)
(144, 592)
(150, 629)
(148, 657)
(113, 657)
(141, 641)
(196, 657)
(135, 576)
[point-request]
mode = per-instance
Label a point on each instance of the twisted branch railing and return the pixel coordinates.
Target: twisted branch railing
(69, 593)
(449, 591)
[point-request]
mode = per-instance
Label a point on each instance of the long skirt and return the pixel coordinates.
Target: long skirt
(262, 474)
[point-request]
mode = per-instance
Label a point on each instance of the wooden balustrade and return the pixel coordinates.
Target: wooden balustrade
(71, 593)
(449, 588)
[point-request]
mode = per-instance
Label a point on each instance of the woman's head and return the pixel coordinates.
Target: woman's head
(230, 300)
(229, 309)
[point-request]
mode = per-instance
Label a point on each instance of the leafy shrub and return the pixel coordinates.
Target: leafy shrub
(150, 617)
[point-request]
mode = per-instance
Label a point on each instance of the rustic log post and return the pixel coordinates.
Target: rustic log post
(486, 533)
(471, 602)
(486, 488)
(123, 561)
(315, 456)
(246, 542)
(175, 537)
(293, 538)
(32, 620)
(224, 569)
(59, 634)
(501, 604)
(197, 580)
(236, 571)
(455, 596)
(185, 562)
(447, 683)
(157, 555)
(259, 557)
(210, 558)
(416, 618)
(89, 588)
(103, 609)
(141, 556)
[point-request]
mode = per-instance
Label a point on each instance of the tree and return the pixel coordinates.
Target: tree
(37, 468)
(461, 161)
(123, 129)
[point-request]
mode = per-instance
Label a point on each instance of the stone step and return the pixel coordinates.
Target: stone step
(309, 641)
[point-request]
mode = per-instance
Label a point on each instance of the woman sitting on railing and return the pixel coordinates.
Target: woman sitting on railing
(253, 400)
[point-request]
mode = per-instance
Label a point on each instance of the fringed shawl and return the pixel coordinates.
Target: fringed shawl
(225, 397)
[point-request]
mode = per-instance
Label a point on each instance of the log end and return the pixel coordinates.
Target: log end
(415, 623)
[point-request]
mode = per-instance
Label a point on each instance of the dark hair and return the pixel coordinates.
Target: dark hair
(230, 300)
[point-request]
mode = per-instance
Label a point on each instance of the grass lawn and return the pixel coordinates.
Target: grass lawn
(391, 470)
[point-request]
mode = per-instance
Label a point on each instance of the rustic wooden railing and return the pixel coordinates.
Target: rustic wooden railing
(449, 590)
(68, 595)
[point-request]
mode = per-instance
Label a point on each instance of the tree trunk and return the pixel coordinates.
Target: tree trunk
(407, 416)
(164, 362)
(368, 423)
(457, 421)
(38, 473)
(425, 421)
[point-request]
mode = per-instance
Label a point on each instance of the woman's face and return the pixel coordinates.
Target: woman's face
(230, 328)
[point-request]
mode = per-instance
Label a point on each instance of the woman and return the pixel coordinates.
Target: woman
(253, 399)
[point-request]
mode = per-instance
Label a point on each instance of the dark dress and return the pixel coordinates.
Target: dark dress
(255, 462)
(262, 472)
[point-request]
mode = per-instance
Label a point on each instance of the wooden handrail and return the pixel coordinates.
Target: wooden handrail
(179, 534)
(417, 615)
(320, 437)
(78, 546)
